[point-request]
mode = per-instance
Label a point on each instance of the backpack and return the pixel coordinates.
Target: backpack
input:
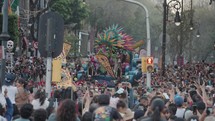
(103, 114)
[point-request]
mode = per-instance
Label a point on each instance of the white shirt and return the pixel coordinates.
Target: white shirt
(113, 102)
(2, 118)
(180, 112)
(36, 104)
(11, 92)
(2, 100)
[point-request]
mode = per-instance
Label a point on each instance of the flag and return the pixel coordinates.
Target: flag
(9, 7)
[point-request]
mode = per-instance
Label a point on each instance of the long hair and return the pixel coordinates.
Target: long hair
(66, 111)
(41, 95)
(23, 82)
(157, 107)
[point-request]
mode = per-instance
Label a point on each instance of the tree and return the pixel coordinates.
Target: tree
(73, 11)
(12, 27)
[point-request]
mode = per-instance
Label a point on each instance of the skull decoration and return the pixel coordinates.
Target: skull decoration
(10, 45)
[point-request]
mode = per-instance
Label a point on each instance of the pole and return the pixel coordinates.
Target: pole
(148, 75)
(164, 37)
(27, 21)
(4, 37)
(181, 32)
(191, 34)
(79, 42)
(49, 57)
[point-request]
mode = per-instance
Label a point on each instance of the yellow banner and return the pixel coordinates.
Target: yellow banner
(56, 69)
(103, 60)
(57, 63)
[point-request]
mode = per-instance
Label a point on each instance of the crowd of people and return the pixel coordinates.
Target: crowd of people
(28, 68)
(185, 93)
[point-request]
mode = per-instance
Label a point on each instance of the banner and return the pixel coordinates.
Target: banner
(103, 60)
(56, 69)
(57, 63)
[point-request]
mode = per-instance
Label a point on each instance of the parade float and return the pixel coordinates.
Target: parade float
(115, 58)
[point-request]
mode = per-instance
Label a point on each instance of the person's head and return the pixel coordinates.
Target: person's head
(40, 115)
(104, 100)
(26, 111)
(9, 79)
(194, 118)
(87, 116)
(95, 99)
(121, 106)
(41, 95)
(144, 101)
(66, 111)
(166, 113)
(157, 106)
(210, 118)
(138, 114)
(120, 93)
(172, 108)
(200, 106)
(93, 107)
(178, 101)
(21, 83)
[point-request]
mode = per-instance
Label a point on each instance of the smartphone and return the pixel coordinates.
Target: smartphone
(194, 109)
(209, 83)
(201, 81)
(209, 110)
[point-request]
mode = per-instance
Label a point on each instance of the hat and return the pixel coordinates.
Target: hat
(9, 78)
(120, 91)
(178, 100)
(138, 114)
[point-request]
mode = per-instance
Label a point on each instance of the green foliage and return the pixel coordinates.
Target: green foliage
(73, 11)
(12, 27)
(73, 40)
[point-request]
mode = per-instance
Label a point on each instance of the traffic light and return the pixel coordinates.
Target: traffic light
(143, 64)
(150, 64)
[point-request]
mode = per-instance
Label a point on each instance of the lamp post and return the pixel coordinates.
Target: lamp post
(148, 34)
(4, 37)
(176, 5)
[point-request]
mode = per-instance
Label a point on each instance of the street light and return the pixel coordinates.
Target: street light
(198, 33)
(176, 5)
(148, 33)
(191, 25)
(177, 19)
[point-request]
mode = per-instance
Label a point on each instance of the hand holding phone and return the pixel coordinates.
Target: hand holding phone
(194, 109)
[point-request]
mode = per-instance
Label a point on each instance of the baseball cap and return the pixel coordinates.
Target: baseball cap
(120, 91)
(9, 78)
(178, 100)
